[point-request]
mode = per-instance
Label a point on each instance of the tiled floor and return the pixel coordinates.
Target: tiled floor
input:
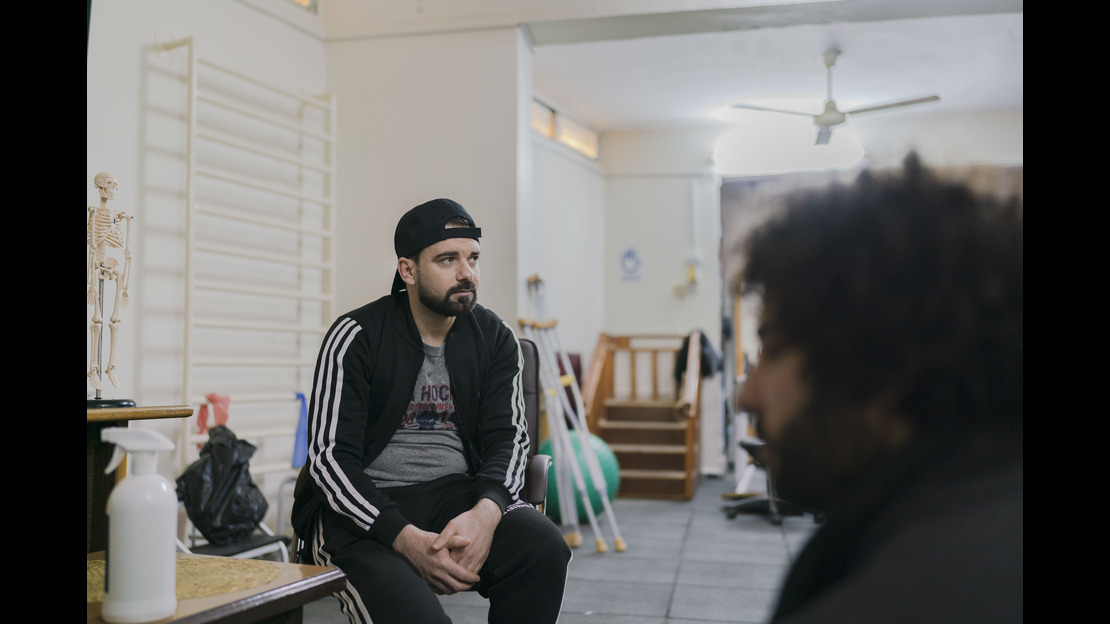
(686, 563)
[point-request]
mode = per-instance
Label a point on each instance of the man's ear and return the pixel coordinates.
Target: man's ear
(407, 270)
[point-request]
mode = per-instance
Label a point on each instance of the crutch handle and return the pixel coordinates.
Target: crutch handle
(538, 324)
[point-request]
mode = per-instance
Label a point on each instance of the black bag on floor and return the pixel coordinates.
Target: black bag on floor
(220, 497)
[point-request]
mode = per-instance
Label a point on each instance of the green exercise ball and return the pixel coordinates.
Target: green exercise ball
(610, 469)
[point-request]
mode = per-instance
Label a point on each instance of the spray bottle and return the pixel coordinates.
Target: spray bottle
(141, 562)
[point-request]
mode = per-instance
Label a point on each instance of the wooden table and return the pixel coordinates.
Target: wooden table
(97, 456)
(279, 602)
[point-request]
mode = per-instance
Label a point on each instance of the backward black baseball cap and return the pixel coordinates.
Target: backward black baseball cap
(426, 225)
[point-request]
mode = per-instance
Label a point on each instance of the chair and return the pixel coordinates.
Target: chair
(262, 542)
(211, 485)
(300, 455)
(743, 501)
(763, 504)
(535, 483)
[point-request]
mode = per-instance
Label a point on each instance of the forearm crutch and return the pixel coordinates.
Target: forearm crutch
(561, 440)
(578, 413)
(568, 512)
(545, 341)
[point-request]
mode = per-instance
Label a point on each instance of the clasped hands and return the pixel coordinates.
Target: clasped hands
(450, 561)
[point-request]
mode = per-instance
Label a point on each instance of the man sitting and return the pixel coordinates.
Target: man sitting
(418, 445)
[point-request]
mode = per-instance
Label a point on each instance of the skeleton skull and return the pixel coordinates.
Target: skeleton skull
(106, 184)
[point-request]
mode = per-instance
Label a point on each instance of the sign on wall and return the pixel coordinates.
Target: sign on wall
(630, 265)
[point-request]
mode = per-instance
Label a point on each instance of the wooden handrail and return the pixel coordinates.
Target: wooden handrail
(691, 385)
(598, 386)
(594, 390)
(691, 395)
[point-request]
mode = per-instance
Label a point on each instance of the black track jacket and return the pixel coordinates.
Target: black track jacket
(365, 374)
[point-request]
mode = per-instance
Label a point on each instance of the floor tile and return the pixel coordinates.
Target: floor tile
(686, 563)
(631, 567)
(617, 598)
(721, 605)
(731, 575)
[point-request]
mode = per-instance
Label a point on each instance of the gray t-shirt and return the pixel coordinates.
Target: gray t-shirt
(427, 444)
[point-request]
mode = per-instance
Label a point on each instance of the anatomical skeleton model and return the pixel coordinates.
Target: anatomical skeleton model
(107, 229)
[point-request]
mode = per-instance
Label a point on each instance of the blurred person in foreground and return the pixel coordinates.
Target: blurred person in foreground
(889, 395)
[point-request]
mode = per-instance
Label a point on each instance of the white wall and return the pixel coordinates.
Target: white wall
(663, 201)
(136, 102)
(994, 138)
(566, 243)
(135, 107)
(423, 117)
(134, 130)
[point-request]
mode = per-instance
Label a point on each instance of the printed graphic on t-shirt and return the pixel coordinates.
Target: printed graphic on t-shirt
(432, 408)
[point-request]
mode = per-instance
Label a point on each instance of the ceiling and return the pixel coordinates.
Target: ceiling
(673, 69)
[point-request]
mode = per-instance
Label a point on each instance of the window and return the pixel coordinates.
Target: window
(575, 135)
(308, 5)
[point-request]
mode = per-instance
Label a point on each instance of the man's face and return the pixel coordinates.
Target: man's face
(446, 276)
(813, 447)
(776, 395)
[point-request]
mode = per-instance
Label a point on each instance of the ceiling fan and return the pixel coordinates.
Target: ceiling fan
(832, 116)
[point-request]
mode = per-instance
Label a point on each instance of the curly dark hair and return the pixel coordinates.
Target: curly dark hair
(902, 286)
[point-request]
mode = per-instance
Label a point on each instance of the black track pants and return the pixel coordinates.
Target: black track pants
(523, 577)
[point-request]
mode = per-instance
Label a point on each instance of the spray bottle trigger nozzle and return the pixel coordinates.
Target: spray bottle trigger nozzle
(117, 456)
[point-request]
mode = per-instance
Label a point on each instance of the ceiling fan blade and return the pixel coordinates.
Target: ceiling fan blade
(868, 109)
(771, 110)
(823, 135)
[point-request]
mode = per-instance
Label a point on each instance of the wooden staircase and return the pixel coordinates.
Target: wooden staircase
(654, 438)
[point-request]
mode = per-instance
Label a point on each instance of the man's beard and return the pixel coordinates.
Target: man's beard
(820, 452)
(447, 306)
